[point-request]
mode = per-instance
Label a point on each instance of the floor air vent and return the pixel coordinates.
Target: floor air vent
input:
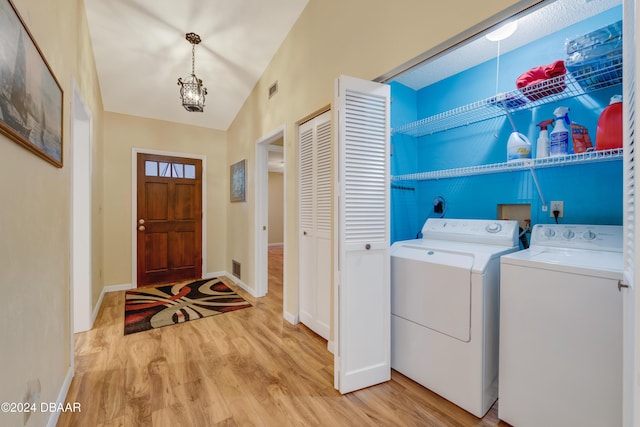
(235, 266)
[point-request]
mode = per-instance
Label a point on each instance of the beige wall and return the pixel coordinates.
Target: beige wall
(276, 207)
(122, 133)
(361, 38)
(35, 222)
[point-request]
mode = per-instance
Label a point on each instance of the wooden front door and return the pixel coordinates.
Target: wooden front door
(169, 223)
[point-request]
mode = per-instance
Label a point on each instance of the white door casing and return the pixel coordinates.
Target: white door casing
(81, 256)
(362, 308)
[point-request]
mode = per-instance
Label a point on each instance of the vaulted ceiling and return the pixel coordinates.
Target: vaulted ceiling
(140, 51)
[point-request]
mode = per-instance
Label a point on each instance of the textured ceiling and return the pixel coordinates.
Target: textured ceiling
(140, 51)
(544, 21)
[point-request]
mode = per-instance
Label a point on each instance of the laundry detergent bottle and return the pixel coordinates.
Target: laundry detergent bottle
(518, 147)
(559, 136)
(609, 130)
(542, 146)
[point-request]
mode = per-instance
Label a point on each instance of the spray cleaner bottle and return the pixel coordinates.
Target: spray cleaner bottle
(559, 136)
(542, 148)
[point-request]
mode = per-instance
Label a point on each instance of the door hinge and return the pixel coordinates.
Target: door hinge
(621, 285)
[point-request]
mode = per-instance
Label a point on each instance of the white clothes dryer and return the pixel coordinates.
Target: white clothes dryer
(444, 308)
(561, 328)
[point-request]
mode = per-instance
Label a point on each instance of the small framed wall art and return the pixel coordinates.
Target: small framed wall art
(30, 95)
(238, 180)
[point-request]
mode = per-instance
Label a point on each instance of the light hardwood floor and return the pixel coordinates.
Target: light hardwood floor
(247, 367)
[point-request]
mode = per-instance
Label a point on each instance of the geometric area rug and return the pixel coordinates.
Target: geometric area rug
(150, 308)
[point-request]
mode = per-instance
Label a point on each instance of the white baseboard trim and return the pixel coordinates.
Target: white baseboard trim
(109, 288)
(330, 347)
(62, 396)
(232, 278)
(275, 244)
(214, 274)
(291, 318)
(96, 309)
(122, 287)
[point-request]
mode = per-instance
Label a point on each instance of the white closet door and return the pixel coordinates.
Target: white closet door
(306, 281)
(631, 298)
(315, 224)
(305, 141)
(323, 216)
(362, 335)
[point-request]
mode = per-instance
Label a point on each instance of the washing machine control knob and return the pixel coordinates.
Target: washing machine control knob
(494, 227)
(589, 235)
(549, 233)
(569, 234)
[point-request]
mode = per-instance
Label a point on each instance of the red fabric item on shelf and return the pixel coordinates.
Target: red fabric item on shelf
(533, 83)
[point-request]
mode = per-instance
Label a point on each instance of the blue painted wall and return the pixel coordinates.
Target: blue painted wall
(404, 201)
(592, 193)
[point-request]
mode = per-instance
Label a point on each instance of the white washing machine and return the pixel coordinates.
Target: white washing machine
(561, 329)
(444, 308)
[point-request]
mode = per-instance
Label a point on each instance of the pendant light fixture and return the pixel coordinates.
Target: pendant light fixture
(191, 91)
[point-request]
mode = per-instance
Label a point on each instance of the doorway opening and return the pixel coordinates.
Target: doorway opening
(275, 228)
(270, 230)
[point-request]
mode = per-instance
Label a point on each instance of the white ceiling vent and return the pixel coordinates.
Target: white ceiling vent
(273, 89)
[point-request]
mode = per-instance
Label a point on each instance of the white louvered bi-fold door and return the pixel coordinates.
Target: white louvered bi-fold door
(315, 209)
(362, 342)
(631, 297)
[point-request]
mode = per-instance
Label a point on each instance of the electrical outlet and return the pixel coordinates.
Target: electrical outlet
(557, 206)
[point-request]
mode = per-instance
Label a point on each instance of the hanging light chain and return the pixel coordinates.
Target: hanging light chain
(194, 39)
(193, 59)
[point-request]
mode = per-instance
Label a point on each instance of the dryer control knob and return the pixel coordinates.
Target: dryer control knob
(568, 235)
(548, 233)
(494, 227)
(589, 235)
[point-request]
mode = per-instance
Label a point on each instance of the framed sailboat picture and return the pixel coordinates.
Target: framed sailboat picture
(30, 95)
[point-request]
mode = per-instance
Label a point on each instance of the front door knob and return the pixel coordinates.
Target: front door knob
(141, 228)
